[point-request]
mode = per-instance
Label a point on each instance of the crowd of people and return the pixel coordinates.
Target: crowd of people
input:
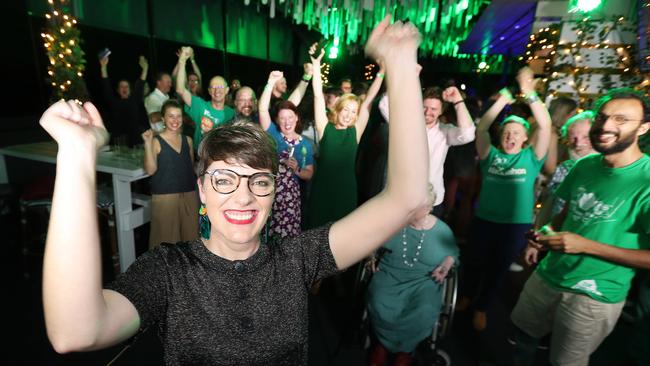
(283, 209)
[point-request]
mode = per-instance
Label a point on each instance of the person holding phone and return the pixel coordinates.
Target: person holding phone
(296, 158)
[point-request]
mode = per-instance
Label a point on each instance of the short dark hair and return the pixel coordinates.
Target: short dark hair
(170, 103)
(432, 92)
(345, 80)
(160, 75)
(285, 104)
(333, 90)
(238, 142)
(360, 88)
(624, 93)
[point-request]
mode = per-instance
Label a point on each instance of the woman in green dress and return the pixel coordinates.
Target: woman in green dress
(334, 185)
(405, 293)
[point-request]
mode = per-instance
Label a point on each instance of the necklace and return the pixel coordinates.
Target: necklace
(417, 250)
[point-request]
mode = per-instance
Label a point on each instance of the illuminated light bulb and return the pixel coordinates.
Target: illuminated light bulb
(60, 55)
(554, 74)
(65, 17)
(71, 42)
(552, 52)
(53, 84)
(62, 87)
(55, 13)
(545, 79)
(68, 65)
(626, 69)
(74, 21)
(68, 82)
(547, 60)
(62, 31)
(50, 72)
(68, 24)
(42, 35)
(48, 16)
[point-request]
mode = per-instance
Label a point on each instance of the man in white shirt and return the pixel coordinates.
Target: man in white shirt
(441, 136)
(154, 101)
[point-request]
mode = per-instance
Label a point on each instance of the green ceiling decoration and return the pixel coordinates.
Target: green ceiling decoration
(443, 23)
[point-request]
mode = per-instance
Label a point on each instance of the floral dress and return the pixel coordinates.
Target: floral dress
(286, 217)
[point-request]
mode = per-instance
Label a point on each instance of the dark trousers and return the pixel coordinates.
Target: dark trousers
(493, 248)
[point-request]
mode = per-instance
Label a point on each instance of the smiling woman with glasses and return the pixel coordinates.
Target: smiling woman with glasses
(228, 298)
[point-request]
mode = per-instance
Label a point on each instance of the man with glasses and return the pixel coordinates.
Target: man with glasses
(603, 233)
(246, 104)
(206, 114)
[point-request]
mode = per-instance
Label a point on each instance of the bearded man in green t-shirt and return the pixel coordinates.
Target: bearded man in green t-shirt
(578, 290)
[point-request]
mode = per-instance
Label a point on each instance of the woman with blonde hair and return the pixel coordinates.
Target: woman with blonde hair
(334, 185)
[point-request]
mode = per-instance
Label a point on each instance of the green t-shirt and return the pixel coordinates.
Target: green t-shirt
(202, 109)
(607, 205)
(507, 192)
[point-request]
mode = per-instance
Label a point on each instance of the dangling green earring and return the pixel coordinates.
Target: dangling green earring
(204, 222)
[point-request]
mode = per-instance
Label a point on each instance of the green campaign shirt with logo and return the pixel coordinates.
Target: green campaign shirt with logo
(507, 192)
(607, 205)
(201, 110)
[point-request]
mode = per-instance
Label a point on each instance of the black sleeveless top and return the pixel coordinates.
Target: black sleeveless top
(175, 173)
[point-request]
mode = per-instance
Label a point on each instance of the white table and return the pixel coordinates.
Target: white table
(124, 169)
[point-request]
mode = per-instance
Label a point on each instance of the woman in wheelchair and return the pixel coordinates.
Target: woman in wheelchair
(404, 295)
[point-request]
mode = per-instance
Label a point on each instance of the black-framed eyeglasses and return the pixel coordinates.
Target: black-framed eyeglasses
(226, 181)
(618, 119)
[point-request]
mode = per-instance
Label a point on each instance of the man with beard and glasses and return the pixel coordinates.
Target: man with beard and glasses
(603, 234)
(246, 104)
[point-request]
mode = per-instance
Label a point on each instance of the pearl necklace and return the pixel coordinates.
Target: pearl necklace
(417, 250)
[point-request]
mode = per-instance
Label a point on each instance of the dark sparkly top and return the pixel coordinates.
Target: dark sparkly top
(213, 311)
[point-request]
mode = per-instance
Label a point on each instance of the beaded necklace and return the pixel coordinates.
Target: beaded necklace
(417, 250)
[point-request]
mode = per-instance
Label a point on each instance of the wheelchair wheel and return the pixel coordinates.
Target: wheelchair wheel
(449, 296)
(441, 358)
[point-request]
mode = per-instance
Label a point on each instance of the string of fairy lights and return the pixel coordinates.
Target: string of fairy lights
(572, 60)
(61, 40)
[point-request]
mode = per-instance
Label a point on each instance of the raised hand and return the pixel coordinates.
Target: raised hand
(452, 95)
(185, 53)
(526, 80)
(313, 56)
(142, 61)
(73, 125)
(103, 62)
(274, 76)
(392, 40)
(147, 136)
(308, 69)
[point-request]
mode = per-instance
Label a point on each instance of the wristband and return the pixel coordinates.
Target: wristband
(506, 93)
(460, 101)
(380, 74)
(306, 77)
(268, 87)
(531, 97)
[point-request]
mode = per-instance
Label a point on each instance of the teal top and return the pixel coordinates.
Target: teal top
(507, 192)
(201, 110)
(404, 301)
